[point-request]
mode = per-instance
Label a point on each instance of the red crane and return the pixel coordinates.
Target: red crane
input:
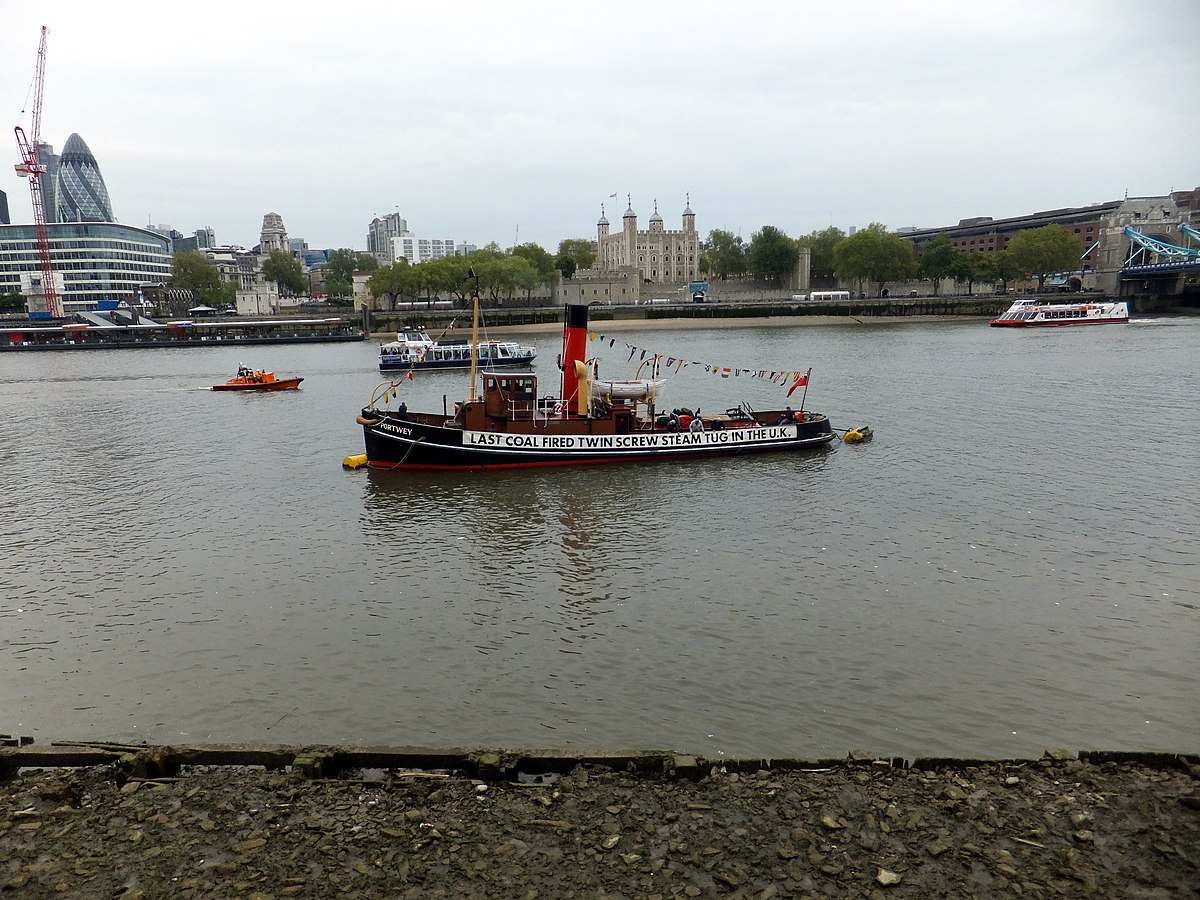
(31, 167)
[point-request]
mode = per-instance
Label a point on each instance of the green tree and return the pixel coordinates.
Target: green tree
(966, 267)
(565, 265)
(192, 271)
(874, 254)
(341, 265)
(447, 276)
(724, 255)
(367, 263)
(579, 250)
(525, 276)
(1006, 268)
(820, 245)
(541, 260)
(1045, 250)
(772, 254)
(938, 259)
(987, 269)
(501, 278)
(285, 270)
(339, 289)
(339, 275)
(12, 302)
(393, 282)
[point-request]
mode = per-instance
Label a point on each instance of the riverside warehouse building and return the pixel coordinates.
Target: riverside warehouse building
(94, 262)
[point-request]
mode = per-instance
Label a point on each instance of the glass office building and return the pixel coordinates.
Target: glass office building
(98, 261)
(80, 194)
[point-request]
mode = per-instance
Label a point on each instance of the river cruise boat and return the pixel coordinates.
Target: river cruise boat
(589, 422)
(415, 349)
(1029, 312)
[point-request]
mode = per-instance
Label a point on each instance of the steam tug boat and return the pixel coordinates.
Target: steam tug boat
(590, 422)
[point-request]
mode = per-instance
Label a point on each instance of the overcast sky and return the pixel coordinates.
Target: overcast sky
(513, 121)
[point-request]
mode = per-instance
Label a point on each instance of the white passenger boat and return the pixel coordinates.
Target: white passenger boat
(415, 349)
(1028, 312)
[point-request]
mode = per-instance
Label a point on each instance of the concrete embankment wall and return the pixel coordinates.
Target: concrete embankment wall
(981, 307)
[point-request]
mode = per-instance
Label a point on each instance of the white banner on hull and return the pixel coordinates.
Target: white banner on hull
(656, 440)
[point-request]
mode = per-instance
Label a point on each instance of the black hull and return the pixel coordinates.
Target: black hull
(393, 442)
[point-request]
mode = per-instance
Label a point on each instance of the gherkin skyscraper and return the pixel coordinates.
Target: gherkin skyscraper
(79, 190)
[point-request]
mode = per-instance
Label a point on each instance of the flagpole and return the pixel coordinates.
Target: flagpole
(807, 375)
(474, 330)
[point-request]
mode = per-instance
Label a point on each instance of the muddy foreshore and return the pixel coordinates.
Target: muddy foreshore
(164, 823)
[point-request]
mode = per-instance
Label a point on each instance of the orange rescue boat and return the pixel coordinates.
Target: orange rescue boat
(248, 379)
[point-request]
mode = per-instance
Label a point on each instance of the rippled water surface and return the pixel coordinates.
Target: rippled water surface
(1009, 566)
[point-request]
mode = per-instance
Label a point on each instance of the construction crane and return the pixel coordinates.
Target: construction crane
(31, 167)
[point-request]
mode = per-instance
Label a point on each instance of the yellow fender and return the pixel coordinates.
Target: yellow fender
(354, 462)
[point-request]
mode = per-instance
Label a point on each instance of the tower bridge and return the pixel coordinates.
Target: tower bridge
(1153, 255)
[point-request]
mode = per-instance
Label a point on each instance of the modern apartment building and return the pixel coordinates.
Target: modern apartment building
(380, 234)
(418, 250)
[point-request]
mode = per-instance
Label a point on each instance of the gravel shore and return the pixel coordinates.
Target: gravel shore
(1056, 827)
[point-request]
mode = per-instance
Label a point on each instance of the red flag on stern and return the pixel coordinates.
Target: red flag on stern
(801, 381)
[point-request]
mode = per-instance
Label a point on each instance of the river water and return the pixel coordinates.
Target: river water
(1010, 565)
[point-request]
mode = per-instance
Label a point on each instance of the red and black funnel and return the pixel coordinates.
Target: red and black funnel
(575, 322)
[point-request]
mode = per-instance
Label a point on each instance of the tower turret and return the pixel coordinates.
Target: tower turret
(656, 221)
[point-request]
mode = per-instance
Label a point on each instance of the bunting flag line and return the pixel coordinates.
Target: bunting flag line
(794, 379)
